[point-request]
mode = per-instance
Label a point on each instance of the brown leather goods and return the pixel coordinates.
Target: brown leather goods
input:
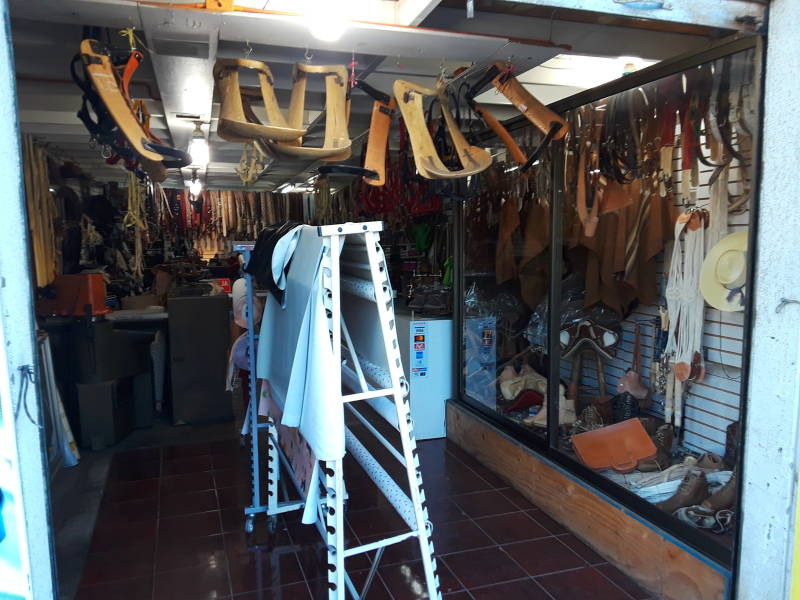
(631, 381)
(514, 151)
(337, 143)
(234, 125)
(710, 461)
(378, 140)
(537, 113)
(505, 261)
(588, 335)
(692, 490)
(105, 81)
(725, 497)
(619, 447)
(663, 440)
(602, 402)
(410, 100)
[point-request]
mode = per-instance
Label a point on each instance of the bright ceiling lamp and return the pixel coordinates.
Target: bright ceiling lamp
(195, 186)
(198, 148)
(325, 19)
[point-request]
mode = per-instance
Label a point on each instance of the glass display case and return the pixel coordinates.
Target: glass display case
(604, 302)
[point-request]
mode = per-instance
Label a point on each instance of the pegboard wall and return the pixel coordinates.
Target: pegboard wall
(713, 404)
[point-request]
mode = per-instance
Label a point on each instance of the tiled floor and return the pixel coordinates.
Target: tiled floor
(171, 527)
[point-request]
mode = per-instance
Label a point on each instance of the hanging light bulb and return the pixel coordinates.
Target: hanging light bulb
(196, 186)
(325, 21)
(198, 147)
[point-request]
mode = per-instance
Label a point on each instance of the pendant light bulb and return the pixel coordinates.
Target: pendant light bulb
(198, 147)
(325, 21)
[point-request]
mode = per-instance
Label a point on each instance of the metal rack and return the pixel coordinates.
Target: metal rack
(353, 265)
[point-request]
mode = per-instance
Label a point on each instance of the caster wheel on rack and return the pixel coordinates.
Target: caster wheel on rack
(249, 524)
(272, 523)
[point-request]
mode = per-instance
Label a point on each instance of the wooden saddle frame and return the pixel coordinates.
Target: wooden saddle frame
(235, 124)
(410, 99)
(337, 143)
(106, 82)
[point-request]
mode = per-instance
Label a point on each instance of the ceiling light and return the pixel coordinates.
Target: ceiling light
(325, 21)
(198, 147)
(198, 150)
(196, 186)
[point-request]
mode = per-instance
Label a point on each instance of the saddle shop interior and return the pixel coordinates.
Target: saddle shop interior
(388, 299)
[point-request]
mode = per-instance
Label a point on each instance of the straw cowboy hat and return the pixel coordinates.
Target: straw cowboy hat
(724, 274)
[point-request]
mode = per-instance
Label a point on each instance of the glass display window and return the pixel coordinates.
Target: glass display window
(608, 285)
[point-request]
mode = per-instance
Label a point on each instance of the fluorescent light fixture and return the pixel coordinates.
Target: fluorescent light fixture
(325, 20)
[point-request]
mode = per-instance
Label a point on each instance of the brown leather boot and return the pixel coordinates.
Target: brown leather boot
(725, 497)
(692, 490)
(663, 441)
(710, 461)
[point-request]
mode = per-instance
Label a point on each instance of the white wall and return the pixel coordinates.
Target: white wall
(18, 325)
(770, 470)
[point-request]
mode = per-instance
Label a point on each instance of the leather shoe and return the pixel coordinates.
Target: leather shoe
(692, 490)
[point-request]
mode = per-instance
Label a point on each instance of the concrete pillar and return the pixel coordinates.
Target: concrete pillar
(17, 321)
(773, 398)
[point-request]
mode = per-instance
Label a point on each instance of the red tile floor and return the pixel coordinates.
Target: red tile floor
(171, 527)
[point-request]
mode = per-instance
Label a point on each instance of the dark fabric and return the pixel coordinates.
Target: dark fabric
(625, 407)
(260, 263)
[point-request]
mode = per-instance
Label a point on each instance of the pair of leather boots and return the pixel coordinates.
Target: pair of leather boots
(694, 496)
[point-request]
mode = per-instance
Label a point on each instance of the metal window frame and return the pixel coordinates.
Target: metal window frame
(724, 559)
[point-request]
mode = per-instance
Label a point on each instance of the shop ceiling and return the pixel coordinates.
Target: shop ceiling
(388, 39)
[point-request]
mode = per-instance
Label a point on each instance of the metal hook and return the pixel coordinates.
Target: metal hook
(248, 49)
(784, 302)
(308, 56)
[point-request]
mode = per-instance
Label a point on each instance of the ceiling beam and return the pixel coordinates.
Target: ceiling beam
(721, 14)
(183, 61)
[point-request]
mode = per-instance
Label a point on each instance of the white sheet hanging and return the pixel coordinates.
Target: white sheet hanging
(295, 353)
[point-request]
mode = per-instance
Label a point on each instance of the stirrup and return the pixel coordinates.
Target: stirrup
(105, 81)
(473, 159)
(234, 125)
(337, 139)
(380, 123)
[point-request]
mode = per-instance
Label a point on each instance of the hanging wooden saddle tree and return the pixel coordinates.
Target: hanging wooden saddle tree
(380, 123)
(514, 151)
(336, 145)
(429, 164)
(97, 65)
(235, 125)
(549, 123)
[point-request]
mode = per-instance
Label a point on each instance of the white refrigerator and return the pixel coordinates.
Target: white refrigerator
(426, 347)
